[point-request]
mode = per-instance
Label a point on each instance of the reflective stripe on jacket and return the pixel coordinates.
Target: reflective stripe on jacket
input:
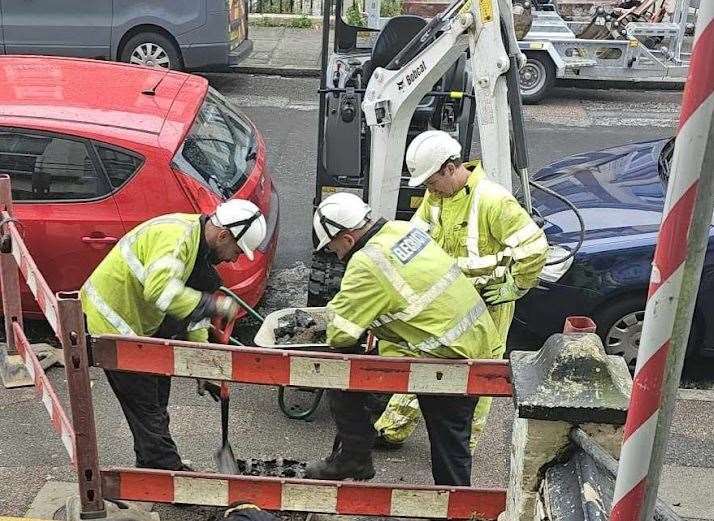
(143, 278)
(413, 296)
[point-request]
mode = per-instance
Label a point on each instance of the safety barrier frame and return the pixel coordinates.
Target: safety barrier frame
(301, 368)
(228, 363)
(64, 314)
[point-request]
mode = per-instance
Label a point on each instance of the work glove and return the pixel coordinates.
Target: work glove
(506, 291)
(225, 307)
(206, 386)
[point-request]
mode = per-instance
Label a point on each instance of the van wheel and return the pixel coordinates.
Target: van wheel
(325, 278)
(152, 50)
(537, 77)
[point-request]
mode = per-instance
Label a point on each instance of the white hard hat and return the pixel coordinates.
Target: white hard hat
(340, 211)
(428, 152)
(244, 221)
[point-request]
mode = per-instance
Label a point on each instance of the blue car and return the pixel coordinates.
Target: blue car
(620, 194)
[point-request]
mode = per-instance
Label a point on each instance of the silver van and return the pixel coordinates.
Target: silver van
(177, 34)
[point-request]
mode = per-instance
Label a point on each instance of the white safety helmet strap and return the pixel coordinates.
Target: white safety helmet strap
(325, 221)
(339, 212)
(245, 223)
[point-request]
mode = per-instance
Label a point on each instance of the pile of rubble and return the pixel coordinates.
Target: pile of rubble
(609, 20)
(301, 327)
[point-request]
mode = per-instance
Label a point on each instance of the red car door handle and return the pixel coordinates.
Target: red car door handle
(100, 240)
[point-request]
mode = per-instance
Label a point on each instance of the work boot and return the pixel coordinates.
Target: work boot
(382, 443)
(342, 465)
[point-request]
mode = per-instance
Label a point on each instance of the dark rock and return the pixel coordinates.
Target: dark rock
(300, 327)
(279, 467)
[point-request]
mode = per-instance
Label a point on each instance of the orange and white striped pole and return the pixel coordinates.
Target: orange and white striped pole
(674, 283)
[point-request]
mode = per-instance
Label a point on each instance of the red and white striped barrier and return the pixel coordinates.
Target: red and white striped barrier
(302, 368)
(334, 497)
(60, 423)
(637, 476)
(33, 277)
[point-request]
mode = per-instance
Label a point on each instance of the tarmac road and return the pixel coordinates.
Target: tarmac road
(286, 112)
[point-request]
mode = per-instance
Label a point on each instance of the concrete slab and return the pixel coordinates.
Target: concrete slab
(688, 490)
(6, 518)
(50, 499)
(17, 375)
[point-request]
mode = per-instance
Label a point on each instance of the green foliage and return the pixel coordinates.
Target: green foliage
(389, 8)
(272, 8)
(302, 22)
(353, 15)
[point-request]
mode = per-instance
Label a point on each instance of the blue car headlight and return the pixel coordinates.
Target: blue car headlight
(554, 270)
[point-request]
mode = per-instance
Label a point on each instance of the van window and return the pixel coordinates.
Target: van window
(219, 148)
(45, 167)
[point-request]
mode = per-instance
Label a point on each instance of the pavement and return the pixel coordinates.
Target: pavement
(284, 51)
(285, 109)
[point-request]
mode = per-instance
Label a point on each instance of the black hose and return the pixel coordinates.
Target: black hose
(303, 414)
(581, 238)
(242, 303)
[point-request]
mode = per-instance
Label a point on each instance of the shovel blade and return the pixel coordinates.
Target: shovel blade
(226, 460)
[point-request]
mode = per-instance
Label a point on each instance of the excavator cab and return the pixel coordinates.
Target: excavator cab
(351, 52)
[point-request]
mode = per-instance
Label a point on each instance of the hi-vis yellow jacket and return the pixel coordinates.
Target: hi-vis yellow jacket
(143, 279)
(485, 229)
(413, 296)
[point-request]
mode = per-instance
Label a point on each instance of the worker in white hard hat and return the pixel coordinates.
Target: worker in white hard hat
(416, 301)
(159, 280)
(493, 239)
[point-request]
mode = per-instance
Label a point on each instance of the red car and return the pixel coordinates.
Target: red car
(95, 148)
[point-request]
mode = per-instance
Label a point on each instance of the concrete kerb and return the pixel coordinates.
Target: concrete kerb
(286, 72)
(696, 395)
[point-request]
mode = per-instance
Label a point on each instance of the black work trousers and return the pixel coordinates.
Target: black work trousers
(144, 399)
(448, 422)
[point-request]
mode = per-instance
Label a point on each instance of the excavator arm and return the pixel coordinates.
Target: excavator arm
(394, 92)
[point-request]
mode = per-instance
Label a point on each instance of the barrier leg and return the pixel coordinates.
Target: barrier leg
(74, 342)
(12, 369)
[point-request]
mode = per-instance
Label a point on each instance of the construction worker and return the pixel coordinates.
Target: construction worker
(494, 240)
(400, 284)
(159, 280)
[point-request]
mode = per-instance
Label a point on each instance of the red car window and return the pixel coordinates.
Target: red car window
(218, 148)
(119, 165)
(49, 168)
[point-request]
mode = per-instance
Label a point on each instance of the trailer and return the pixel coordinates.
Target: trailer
(651, 52)
(654, 52)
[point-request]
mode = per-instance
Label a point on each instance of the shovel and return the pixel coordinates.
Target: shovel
(224, 457)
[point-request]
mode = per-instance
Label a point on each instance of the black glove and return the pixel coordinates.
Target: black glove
(206, 386)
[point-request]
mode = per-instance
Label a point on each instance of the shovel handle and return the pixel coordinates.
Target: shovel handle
(225, 392)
